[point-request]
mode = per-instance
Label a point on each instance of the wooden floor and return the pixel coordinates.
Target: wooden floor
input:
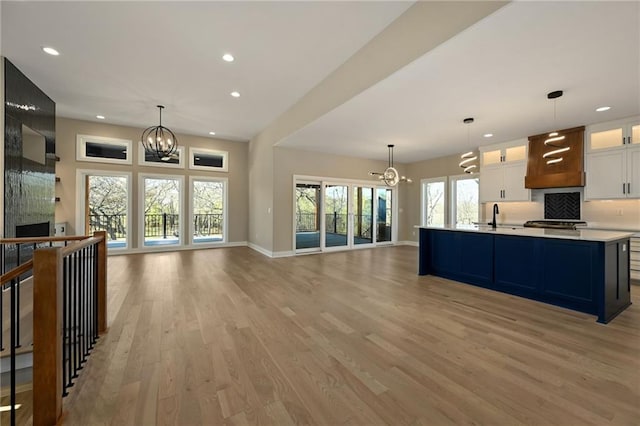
(228, 336)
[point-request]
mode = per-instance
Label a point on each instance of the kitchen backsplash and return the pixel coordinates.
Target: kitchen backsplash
(622, 214)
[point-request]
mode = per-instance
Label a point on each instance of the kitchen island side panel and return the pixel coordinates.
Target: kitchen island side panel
(587, 276)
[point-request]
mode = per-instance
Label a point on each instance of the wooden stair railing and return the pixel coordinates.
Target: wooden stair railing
(69, 312)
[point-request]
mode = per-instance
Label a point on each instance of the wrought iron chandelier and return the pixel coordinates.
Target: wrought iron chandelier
(390, 176)
(159, 140)
(468, 158)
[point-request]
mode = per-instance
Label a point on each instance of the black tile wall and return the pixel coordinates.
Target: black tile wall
(29, 187)
(562, 205)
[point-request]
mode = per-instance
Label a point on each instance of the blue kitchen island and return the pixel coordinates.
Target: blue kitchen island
(583, 270)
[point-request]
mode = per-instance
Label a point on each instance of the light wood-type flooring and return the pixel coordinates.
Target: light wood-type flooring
(228, 336)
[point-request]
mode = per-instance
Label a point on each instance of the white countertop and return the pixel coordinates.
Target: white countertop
(580, 234)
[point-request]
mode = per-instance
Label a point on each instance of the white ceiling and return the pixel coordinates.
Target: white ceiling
(499, 72)
(121, 59)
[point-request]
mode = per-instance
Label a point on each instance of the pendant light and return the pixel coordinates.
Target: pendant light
(390, 176)
(553, 140)
(159, 140)
(468, 158)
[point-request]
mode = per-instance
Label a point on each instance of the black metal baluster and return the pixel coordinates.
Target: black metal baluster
(17, 313)
(1, 320)
(81, 305)
(76, 360)
(64, 326)
(13, 352)
(85, 304)
(96, 267)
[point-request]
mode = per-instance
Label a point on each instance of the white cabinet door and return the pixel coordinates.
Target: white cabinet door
(514, 189)
(606, 172)
(633, 172)
(491, 180)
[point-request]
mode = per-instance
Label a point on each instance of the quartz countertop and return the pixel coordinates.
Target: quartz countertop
(579, 234)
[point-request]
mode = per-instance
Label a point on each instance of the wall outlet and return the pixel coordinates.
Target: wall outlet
(619, 212)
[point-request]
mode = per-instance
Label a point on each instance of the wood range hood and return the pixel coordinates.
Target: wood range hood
(544, 170)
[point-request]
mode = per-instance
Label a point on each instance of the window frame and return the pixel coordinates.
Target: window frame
(193, 151)
(225, 210)
(81, 149)
(141, 204)
(423, 199)
(142, 161)
(81, 206)
(453, 191)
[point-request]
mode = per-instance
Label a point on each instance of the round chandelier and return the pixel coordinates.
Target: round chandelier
(159, 140)
(390, 176)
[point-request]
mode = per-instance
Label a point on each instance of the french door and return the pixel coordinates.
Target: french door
(338, 215)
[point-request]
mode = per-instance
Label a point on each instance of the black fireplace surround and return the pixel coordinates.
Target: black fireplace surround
(29, 185)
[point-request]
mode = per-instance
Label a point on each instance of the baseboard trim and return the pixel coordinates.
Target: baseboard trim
(407, 243)
(140, 250)
(283, 254)
(260, 250)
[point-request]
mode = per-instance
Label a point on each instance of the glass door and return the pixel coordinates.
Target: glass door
(384, 215)
(362, 214)
(307, 216)
(336, 215)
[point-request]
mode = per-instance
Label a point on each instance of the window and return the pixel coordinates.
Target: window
(161, 219)
(103, 150)
(465, 206)
(207, 159)
(108, 207)
(104, 204)
(208, 210)
(433, 201)
(150, 159)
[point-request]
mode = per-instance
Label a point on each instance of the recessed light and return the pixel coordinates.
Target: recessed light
(488, 135)
(100, 117)
(228, 57)
(603, 108)
(212, 133)
(50, 50)
(235, 94)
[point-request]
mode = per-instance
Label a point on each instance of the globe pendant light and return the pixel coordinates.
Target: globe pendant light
(390, 176)
(159, 140)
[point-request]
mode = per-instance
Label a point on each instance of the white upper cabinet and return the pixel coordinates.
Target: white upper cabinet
(502, 171)
(613, 160)
(614, 135)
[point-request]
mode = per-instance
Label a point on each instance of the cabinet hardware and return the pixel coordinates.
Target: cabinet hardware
(623, 188)
(628, 188)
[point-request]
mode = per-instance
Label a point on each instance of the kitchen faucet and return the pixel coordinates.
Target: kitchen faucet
(495, 212)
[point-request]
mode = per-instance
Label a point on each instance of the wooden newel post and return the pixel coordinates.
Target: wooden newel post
(47, 336)
(102, 281)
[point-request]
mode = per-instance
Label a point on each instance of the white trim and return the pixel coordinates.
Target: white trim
(277, 254)
(193, 151)
(260, 249)
(142, 160)
(453, 195)
(81, 141)
(165, 249)
(423, 184)
(80, 197)
(407, 243)
(141, 207)
(225, 202)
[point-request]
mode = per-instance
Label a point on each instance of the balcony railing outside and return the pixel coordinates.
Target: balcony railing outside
(335, 223)
(164, 225)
